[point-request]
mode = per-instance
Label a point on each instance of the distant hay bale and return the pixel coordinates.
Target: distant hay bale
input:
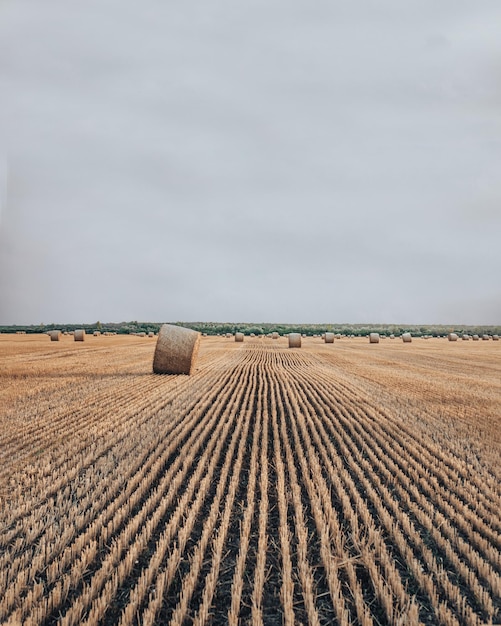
(239, 337)
(374, 338)
(79, 335)
(337, 336)
(495, 337)
(274, 335)
(475, 337)
(151, 334)
(392, 336)
(141, 334)
(176, 350)
(465, 337)
(406, 337)
(294, 340)
(452, 337)
(253, 334)
(329, 338)
(229, 335)
(54, 335)
(485, 337)
(96, 333)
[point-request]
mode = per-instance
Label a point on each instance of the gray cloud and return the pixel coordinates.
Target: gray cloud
(256, 161)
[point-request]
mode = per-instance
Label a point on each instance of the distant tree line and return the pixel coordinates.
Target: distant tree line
(248, 328)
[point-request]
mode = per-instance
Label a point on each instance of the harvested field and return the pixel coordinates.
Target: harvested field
(352, 483)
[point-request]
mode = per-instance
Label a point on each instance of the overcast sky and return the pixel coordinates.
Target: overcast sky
(278, 160)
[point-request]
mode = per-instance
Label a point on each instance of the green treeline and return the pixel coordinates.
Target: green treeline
(220, 328)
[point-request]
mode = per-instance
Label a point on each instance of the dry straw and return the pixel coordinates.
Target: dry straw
(176, 350)
(485, 337)
(54, 335)
(79, 335)
(495, 337)
(239, 337)
(475, 337)
(452, 337)
(374, 338)
(151, 334)
(274, 335)
(96, 333)
(465, 337)
(406, 337)
(294, 340)
(329, 338)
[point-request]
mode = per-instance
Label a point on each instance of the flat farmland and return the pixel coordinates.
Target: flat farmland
(343, 483)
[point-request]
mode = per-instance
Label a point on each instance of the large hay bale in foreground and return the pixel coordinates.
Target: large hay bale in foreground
(452, 337)
(54, 335)
(239, 337)
(406, 337)
(79, 335)
(374, 338)
(176, 350)
(294, 340)
(329, 338)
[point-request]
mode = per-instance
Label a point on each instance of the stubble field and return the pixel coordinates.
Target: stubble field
(331, 484)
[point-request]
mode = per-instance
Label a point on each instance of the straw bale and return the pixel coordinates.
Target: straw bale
(475, 337)
(452, 337)
(465, 337)
(176, 350)
(495, 337)
(274, 335)
(329, 338)
(151, 334)
(79, 335)
(54, 335)
(294, 340)
(406, 337)
(239, 337)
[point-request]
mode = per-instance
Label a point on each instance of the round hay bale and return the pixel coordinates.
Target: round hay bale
(475, 337)
(151, 334)
(274, 335)
(485, 337)
(406, 337)
(79, 335)
(141, 334)
(452, 337)
(337, 336)
(329, 338)
(392, 336)
(465, 337)
(176, 350)
(374, 338)
(294, 340)
(229, 335)
(96, 333)
(495, 337)
(239, 337)
(54, 335)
